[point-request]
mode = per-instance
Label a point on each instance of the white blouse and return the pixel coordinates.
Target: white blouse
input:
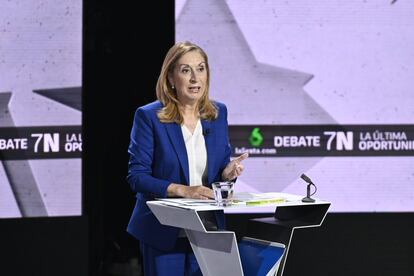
(196, 153)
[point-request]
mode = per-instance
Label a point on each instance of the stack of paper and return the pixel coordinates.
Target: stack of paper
(189, 201)
(254, 199)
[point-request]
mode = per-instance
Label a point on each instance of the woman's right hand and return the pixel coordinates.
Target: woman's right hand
(195, 192)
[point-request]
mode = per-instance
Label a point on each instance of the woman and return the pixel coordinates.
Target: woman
(179, 146)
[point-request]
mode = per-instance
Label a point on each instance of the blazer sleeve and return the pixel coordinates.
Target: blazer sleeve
(227, 149)
(141, 150)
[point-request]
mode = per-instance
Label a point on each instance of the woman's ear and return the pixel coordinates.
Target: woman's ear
(170, 80)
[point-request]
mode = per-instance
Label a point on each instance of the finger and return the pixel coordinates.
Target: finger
(206, 196)
(239, 171)
(206, 192)
(210, 194)
(241, 157)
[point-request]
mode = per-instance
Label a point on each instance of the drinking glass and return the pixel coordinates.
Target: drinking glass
(223, 193)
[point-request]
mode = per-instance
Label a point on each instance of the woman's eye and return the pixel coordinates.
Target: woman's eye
(201, 69)
(185, 71)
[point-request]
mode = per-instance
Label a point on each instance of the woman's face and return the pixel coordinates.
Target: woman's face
(189, 77)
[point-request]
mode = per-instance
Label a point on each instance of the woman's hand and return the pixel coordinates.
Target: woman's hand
(234, 168)
(196, 192)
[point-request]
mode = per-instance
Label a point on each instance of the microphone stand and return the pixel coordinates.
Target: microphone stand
(308, 198)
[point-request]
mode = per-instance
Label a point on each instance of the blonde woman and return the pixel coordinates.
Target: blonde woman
(179, 146)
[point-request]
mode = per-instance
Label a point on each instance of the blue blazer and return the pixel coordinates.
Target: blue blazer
(158, 157)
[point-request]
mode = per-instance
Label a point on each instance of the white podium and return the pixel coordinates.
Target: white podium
(216, 250)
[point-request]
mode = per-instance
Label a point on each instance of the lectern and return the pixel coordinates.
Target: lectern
(217, 251)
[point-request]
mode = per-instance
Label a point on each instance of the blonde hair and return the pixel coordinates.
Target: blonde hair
(168, 96)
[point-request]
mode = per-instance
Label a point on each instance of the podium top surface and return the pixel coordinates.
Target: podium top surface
(244, 203)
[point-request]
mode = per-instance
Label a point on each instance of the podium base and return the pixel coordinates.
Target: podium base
(308, 199)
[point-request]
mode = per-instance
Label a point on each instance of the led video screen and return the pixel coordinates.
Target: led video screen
(40, 108)
(316, 87)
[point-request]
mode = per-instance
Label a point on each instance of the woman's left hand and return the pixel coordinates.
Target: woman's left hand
(234, 168)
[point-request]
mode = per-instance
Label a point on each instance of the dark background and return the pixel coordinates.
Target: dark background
(123, 53)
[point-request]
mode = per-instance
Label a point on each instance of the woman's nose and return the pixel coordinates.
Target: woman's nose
(193, 77)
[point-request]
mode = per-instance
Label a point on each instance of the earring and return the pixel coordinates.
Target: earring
(172, 86)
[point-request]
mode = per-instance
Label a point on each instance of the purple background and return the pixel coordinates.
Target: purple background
(41, 48)
(319, 62)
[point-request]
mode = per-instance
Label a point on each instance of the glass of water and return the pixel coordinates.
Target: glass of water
(223, 193)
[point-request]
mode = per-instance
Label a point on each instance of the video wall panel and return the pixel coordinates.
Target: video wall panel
(322, 88)
(40, 108)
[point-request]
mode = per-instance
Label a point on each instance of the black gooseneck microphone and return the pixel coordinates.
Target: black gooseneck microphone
(310, 183)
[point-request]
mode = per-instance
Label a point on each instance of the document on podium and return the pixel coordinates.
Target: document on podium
(249, 202)
(189, 203)
(257, 199)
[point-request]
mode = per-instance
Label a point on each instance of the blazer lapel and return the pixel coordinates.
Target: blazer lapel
(177, 140)
(209, 140)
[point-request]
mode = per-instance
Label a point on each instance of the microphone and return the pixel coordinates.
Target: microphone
(206, 131)
(308, 198)
(306, 178)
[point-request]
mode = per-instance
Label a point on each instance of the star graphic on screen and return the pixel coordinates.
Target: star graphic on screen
(69, 96)
(19, 173)
(255, 93)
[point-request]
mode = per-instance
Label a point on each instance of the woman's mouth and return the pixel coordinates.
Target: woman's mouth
(194, 89)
